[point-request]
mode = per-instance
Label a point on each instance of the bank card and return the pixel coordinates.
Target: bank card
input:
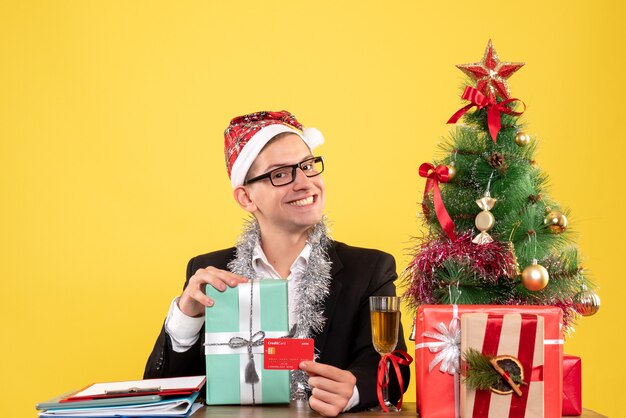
(286, 353)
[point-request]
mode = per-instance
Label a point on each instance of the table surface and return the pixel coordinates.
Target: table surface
(302, 410)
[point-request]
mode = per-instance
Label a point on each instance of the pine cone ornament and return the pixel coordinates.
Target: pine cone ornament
(496, 160)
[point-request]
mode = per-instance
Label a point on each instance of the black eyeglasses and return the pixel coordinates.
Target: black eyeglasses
(285, 175)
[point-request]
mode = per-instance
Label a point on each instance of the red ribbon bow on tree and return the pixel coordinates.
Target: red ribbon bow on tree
(434, 176)
(494, 109)
(396, 358)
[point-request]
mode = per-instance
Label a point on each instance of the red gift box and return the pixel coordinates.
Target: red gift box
(437, 352)
(572, 386)
(517, 335)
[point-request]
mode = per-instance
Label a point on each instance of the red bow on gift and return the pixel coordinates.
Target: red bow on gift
(434, 176)
(396, 358)
(494, 109)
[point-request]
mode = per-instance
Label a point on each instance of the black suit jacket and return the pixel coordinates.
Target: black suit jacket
(345, 342)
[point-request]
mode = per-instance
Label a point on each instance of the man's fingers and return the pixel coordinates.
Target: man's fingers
(219, 279)
(201, 298)
(340, 389)
(330, 372)
(231, 279)
(325, 409)
(328, 397)
(194, 296)
(332, 387)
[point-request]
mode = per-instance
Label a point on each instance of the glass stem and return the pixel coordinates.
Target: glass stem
(386, 386)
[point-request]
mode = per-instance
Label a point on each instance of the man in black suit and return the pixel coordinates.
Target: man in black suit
(276, 178)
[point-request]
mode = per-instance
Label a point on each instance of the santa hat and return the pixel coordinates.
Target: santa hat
(246, 136)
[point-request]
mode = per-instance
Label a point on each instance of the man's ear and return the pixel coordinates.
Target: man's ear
(242, 197)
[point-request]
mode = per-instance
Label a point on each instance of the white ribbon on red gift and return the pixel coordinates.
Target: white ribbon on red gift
(447, 346)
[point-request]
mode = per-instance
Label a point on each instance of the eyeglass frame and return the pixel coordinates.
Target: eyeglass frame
(294, 167)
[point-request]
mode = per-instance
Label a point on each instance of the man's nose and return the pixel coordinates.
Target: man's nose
(300, 179)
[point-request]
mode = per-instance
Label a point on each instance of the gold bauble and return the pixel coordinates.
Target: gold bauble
(484, 221)
(522, 139)
(555, 221)
(586, 302)
(535, 277)
(451, 171)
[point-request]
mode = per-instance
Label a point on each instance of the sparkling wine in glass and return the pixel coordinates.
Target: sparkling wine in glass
(385, 314)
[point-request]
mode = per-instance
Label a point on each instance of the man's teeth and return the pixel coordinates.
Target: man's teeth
(302, 202)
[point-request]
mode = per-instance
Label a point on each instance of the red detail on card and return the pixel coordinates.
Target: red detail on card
(286, 353)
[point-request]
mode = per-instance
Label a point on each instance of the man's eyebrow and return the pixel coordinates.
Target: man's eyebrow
(273, 166)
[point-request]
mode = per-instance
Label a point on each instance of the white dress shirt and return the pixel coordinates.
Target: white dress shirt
(184, 330)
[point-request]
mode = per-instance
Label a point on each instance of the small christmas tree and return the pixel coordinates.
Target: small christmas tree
(495, 236)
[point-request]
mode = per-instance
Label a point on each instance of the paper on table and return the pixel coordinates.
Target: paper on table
(173, 384)
(168, 407)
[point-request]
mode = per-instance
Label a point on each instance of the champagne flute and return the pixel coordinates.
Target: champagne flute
(385, 315)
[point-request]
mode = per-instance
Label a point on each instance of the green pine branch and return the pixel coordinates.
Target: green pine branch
(458, 284)
(480, 374)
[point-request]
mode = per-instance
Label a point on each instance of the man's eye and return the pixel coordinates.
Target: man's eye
(279, 174)
(307, 167)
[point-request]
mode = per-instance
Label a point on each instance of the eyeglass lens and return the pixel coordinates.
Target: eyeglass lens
(285, 175)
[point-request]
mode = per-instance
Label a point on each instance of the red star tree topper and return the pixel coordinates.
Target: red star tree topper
(491, 74)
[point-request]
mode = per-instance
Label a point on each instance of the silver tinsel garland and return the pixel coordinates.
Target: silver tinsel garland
(311, 288)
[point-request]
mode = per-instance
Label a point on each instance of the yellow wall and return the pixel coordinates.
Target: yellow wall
(112, 174)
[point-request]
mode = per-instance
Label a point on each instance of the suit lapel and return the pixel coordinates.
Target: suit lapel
(333, 296)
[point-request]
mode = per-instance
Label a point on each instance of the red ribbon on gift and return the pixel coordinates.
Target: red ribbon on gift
(434, 176)
(494, 109)
(525, 356)
(396, 358)
(536, 375)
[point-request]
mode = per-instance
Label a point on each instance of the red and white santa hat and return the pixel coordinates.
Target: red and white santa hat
(246, 136)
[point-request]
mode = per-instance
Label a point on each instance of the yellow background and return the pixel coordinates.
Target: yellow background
(112, 173)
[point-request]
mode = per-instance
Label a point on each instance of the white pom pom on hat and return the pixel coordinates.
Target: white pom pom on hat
(313, 137)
